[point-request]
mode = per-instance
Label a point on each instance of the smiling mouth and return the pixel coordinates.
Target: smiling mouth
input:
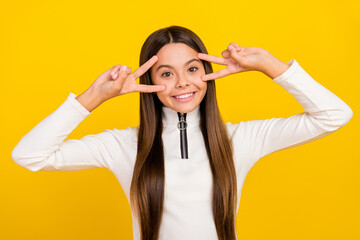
(184, 96)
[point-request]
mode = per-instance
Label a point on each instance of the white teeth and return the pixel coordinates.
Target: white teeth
(184, 96)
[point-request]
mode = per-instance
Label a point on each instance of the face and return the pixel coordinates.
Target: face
(180, 70)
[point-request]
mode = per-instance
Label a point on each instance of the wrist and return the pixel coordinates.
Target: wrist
(273, 67)
(90, 99)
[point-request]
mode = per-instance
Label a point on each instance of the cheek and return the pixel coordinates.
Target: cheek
(201, 84)
(164, 94)
(160, 95)
(154, 80)
(205, 86)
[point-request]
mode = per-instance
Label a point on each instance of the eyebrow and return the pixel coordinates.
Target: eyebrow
(188, 62)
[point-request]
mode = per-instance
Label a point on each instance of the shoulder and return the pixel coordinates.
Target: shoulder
(232, 128)
(244, 129)
(125, 138)
(244, 125)
(127, 134)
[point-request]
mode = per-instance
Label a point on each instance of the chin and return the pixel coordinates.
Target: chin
(185, 109)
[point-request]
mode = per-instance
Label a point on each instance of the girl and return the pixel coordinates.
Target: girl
(182, 169)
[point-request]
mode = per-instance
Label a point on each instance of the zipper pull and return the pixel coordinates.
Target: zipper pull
(182, 125)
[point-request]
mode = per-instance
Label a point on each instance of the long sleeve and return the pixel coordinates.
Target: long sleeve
(325, 113)
(44, 148)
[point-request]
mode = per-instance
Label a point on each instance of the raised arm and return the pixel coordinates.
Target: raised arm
(44, 148)
(324, 111)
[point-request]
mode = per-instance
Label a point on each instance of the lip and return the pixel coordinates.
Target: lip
(184, 99)
(184, 93)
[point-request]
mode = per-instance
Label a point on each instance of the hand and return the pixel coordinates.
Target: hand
(237, 59)
(118, 81)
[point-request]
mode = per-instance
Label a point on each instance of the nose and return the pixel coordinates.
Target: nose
(182, 82)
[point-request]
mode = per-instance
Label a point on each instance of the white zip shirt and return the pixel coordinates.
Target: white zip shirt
(187, 208)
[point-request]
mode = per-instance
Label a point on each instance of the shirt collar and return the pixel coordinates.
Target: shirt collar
(170, 116)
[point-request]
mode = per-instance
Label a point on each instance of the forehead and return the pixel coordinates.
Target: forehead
(175, 53)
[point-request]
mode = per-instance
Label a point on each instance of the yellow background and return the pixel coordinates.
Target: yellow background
(49, 49)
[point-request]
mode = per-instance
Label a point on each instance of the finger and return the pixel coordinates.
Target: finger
(143, 68)
(226, 53)
(237, 47)
(233, 44)
(122, 75)
(234, 54)
(116, 74)
(114, 71)
(216, 75)
(210, 58)
(150, 88)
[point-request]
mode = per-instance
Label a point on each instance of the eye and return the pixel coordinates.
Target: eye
(193, 68)
(165, 73)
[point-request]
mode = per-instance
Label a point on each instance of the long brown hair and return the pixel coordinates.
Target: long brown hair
(147, 185)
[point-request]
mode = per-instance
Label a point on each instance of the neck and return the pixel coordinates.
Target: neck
(172, 116)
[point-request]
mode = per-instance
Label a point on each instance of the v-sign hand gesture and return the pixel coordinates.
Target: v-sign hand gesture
(119, 80)
(237, 59)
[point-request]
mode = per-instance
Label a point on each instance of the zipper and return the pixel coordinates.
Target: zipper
(182, 125)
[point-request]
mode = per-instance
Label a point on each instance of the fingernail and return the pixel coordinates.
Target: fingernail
(123, 68)
(115, 75)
